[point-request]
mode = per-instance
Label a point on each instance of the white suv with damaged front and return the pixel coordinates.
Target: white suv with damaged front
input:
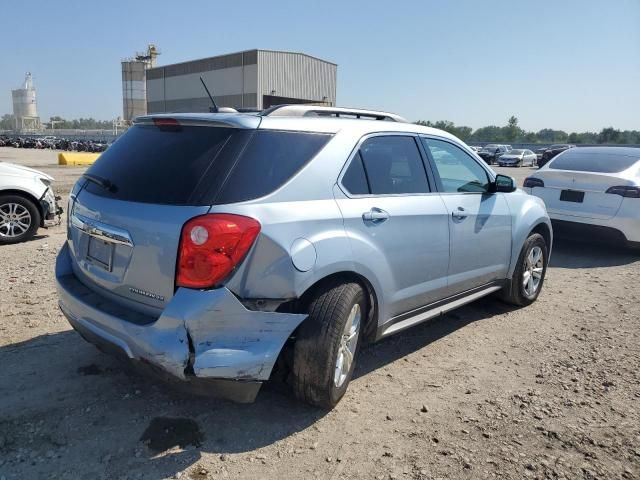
(27, 202)
(217, 247)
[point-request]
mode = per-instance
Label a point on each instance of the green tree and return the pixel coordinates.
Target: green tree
(462, 132)
(582, 138)
(80, 123)
(609, 135)
(629, 137)
(548, 135)
(7, 122)
(491, 133)
(512, 131)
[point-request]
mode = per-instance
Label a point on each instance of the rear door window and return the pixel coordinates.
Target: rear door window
(270, 159)
(393, 165)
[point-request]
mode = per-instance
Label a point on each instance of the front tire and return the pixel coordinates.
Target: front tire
(19, 219)
(327, 344)
(527, 280)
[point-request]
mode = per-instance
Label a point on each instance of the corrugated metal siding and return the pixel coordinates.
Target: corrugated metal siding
(201, 104)
(296, 75)
(291, 75)
(204, 65)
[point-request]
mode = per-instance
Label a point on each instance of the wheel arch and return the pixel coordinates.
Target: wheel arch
(529, 216)
(302, 302)
(543, 229)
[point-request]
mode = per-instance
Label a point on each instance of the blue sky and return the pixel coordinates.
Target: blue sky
(567, 64)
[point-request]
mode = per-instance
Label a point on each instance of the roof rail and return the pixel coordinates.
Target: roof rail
(297, 110)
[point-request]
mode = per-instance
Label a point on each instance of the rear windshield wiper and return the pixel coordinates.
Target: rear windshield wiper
(100, 181)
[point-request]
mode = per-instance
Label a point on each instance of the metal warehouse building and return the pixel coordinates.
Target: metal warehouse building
(250, 79)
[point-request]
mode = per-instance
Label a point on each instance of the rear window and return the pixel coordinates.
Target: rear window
(201, 165)
(270, 159)
(593, 162)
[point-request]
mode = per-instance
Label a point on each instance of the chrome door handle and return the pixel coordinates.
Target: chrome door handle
(459, 214)
(375, 215)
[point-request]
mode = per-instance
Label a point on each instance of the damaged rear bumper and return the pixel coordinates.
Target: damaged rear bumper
(203, 337)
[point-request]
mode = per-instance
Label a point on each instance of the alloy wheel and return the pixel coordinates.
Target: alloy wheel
(15, 220)
(348, 344)
(532, 274)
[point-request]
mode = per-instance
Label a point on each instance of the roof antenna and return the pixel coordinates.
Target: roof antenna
(213, 109)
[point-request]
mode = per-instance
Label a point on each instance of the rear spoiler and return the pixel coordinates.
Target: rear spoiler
(224, 120)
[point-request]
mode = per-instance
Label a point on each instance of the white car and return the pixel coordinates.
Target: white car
(27, 202)
(517, 158)
(592, 190)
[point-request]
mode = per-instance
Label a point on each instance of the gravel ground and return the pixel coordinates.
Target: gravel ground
(549, 391)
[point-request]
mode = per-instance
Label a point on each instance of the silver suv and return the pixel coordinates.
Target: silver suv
(213, 247)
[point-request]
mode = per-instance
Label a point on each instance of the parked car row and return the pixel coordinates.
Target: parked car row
(492, 154)
(517, 158)
(550, 152)
(54, 143)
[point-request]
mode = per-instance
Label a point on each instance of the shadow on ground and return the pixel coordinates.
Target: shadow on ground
(569, 253)
(61, 393)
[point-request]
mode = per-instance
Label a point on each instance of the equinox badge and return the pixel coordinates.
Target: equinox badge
(144, 293)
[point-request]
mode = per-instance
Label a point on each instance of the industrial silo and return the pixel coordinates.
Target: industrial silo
(25, 110)
(134, 83)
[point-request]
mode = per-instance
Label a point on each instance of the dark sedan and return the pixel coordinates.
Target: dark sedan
(490, 153)
(552, 151)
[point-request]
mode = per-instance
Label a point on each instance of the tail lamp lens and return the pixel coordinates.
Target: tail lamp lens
(211, 246)
(625, 191)
(531, 182)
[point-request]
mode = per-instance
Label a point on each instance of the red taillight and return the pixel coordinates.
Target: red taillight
(625, 191)
(211, 246)
(165, 122)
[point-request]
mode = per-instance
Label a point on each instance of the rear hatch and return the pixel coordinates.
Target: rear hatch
(129, 208)
(580, 194)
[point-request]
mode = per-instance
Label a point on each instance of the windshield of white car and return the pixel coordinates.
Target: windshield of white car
(516, 152)
(593, 162)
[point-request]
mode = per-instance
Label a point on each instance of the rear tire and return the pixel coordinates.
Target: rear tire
(324, 358)
(527, 280)
(19, 219)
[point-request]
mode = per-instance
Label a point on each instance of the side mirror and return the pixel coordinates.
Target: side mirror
(504, 183)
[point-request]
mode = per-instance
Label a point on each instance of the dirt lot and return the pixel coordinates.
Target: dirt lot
(550, 391)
